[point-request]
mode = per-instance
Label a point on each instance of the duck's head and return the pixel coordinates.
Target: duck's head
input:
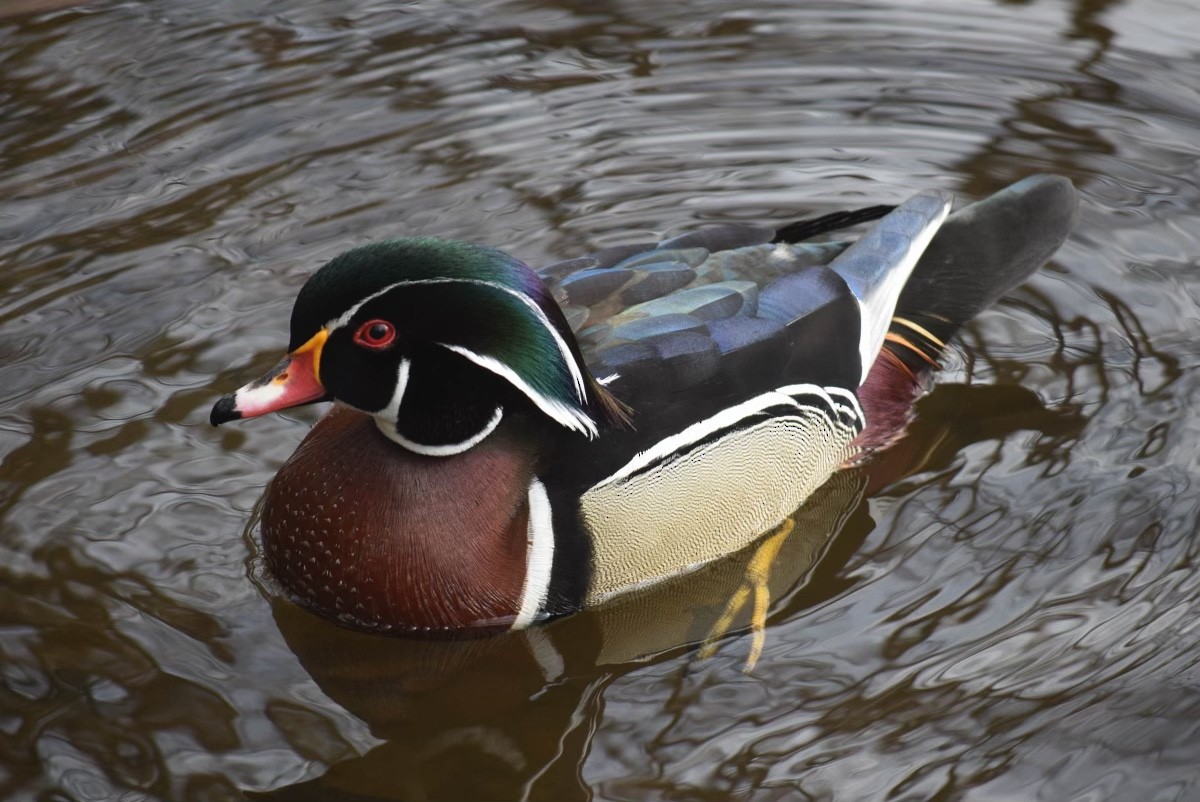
(438, 340)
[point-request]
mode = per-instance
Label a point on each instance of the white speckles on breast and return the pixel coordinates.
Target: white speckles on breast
(360, 531)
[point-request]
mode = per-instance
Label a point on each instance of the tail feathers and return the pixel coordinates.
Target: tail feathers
(877, 267)
(981, 252)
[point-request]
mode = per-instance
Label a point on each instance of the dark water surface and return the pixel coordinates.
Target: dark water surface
(1015, 620)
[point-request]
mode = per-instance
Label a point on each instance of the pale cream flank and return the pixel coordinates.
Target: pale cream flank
(654, 524)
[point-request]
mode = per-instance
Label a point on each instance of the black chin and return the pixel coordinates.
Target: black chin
(448, 400)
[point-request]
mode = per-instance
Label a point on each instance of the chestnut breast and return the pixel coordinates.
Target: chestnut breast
(361, 530)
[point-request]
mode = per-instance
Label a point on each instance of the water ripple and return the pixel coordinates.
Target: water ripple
(1012, 619)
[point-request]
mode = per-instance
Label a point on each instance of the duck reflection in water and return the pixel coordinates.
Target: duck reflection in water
(512, 716)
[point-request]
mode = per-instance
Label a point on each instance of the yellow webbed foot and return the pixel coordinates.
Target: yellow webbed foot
(755, 583)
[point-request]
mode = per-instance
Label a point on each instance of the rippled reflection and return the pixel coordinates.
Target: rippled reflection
(1002, 606)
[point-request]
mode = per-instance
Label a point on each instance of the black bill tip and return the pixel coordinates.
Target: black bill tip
(224, 411)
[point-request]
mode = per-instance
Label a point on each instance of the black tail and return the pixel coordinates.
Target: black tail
(981, 252)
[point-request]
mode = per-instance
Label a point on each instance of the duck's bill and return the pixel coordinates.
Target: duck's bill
(291, 383)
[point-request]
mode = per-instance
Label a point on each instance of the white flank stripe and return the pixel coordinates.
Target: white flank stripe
(576, 373)
(826, 394)
(856, 408)
(727, 417)
(539, 559)
(565, 414)
(794, 390)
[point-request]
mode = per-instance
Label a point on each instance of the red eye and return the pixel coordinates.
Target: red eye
(377, 335)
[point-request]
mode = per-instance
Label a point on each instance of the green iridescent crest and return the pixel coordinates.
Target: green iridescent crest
(476, 301)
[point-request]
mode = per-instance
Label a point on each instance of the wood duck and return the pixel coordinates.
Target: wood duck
(511, 445)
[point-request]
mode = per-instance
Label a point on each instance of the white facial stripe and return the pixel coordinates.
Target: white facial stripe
(784, 396)
(445, 450)
(539, 555)
(576, 374)
(385, 420)
(569, 416)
